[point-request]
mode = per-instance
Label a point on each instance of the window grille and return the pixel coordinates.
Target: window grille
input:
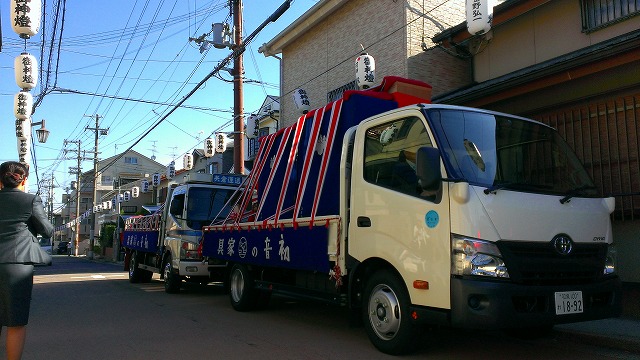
(597, 14)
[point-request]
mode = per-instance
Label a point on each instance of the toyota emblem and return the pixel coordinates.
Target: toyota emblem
(562, 244)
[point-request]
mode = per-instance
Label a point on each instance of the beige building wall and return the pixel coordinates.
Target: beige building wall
(541, 34)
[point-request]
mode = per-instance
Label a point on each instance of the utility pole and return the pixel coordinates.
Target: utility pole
(97, 132)
(238, 100)
(50, 200)
(77, 171)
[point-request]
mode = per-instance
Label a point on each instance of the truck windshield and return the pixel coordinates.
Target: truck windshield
(501, 152)
(204, 205)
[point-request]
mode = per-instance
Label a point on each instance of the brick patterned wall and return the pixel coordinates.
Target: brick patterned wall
(441, 69)
(323, 58)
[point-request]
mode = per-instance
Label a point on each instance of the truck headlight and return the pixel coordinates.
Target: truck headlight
(611, 260)
(476, 257)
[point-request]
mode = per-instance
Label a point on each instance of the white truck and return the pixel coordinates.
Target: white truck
(167, 241)
(421, 214)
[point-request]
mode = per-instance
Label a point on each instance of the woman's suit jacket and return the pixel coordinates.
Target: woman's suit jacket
(22, 217)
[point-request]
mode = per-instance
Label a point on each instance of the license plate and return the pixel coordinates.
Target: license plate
(569, 302)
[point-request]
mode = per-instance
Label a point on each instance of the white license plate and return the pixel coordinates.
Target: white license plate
(569, 302)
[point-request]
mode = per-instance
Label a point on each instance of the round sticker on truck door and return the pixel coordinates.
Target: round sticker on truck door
(431, 219)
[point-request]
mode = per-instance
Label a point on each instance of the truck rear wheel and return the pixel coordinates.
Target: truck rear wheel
(242, 290)
(172, 280)
(134, 271)
(385, 313)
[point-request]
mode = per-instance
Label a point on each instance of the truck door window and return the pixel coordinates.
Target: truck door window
(177, 205)
(390, 154)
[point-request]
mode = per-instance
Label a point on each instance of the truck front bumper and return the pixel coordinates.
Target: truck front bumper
(492, 304)
(193, 268)
(503, 305)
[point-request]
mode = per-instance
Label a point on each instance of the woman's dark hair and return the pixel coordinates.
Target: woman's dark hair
(13, 173)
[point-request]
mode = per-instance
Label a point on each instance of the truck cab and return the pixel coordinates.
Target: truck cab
(167, 242)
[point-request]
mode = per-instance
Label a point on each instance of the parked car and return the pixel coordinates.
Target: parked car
(63, 247)
(46, 245)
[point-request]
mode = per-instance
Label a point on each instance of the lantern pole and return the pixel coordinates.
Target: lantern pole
(238, 99)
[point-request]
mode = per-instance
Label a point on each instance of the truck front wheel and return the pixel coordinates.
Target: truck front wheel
(172, 280)
(385, 313)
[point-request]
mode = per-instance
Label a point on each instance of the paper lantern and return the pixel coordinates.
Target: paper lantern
(135, 192)
(221, 143)
(23, 146)
(23, 105)
(365, 71)
(171, 170)
(25, 17)
(209, 147)
(119, 198)
(23, 129)
(26, 71)
(253, 127)
(155, 179)
(479, 14)
(187, 161)
(127, 195)
(301, 101)
(144, 185)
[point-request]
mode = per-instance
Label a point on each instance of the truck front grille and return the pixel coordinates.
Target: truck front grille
(537, 263)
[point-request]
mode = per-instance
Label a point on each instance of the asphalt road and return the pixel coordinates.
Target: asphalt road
(88, 310)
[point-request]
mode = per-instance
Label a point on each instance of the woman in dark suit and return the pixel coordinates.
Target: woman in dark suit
(22, 217)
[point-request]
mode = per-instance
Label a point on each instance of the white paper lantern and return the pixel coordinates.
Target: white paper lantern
(187, 162)
(23, 129)
(23, 146)
(479, 14)
(171, 170)
(22, 105)
(155, 179)
(221, 143)
(127, 195)
(26, 71)
(25, 17)
(253, 126)
(119, 198)
(365, 71)
(301, 101)
(209, 146)
(107, 205)
(135, 192)
(144, 185)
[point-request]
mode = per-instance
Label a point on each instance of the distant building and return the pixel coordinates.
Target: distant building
(129, 168)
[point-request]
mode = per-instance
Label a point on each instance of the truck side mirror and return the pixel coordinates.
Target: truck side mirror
(428, 168)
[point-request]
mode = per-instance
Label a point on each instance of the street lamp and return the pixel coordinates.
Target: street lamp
(42, 133)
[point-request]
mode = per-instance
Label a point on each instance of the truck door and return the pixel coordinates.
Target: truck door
(391, 217)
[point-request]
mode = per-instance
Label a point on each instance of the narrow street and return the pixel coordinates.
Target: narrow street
(88, 310)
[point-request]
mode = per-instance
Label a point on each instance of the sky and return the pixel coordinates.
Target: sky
(129, 61)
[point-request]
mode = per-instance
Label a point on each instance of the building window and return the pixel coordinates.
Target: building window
(106, 180)
(84, 200)
(130, 160)
(129, 209)
(597, 14)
